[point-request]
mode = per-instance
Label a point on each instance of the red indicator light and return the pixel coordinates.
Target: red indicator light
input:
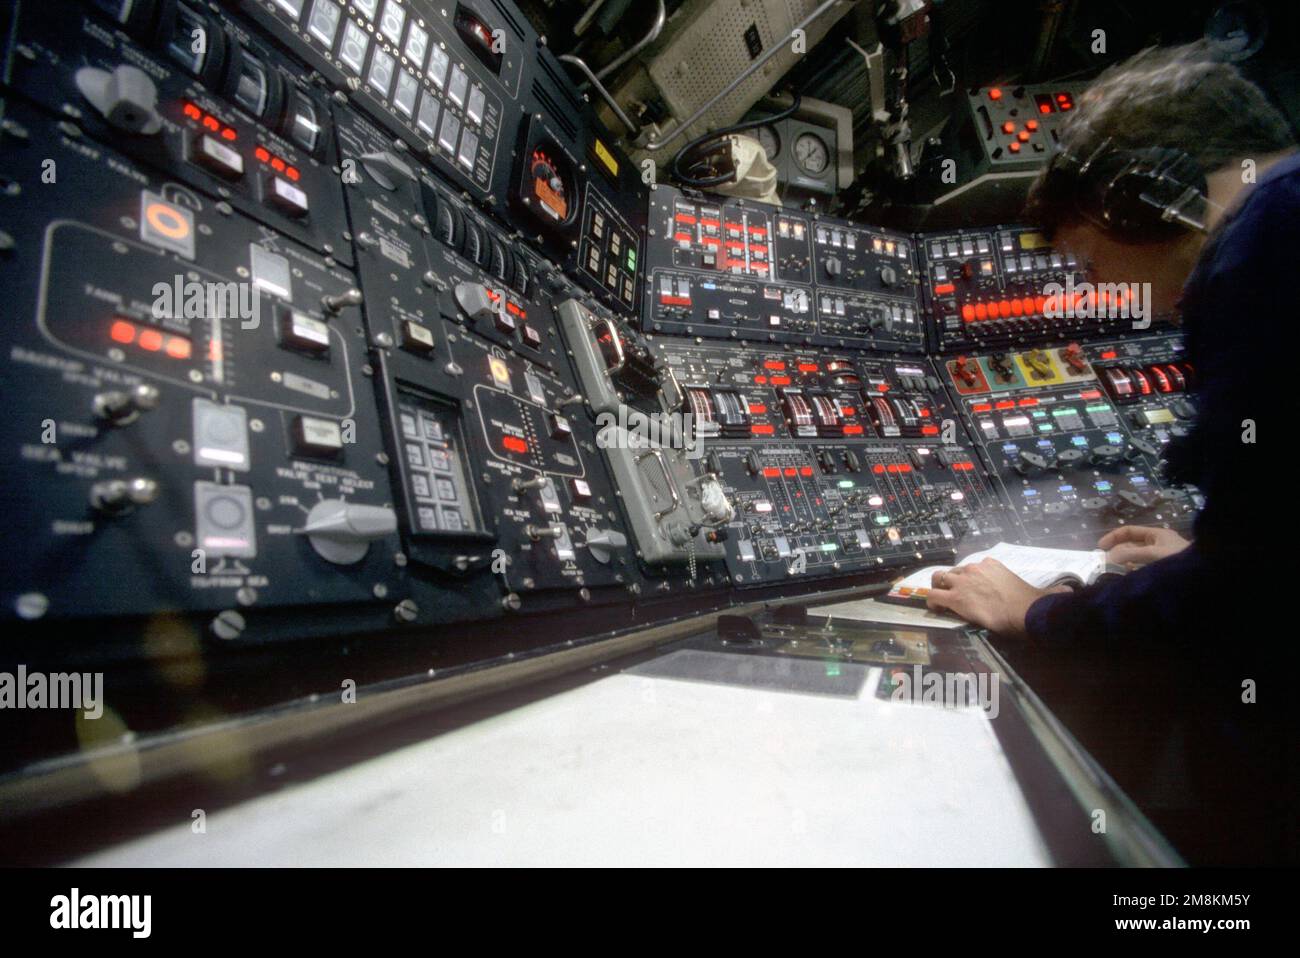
(878, 469)
(929, 430)
(774, 364)
(780, 380)
(228, 133)
(1022, 136)
(1014, 147)
(1044, 108)
(177, 347)
(757, 409)
(1008, 127)
(151, 340)
(514, 444)
(1004, 309)
(968, 313)
(852, 430)
(791, 472)
(1016, 308)
(807, 367)
(943, 289)
(995, 94)
(1029, 401)
(122, 332)
(847, 410)
(805, 471)
(981, 311)
(771, 473)
(760, 380)
(192, 111)
(262, 154)
(1109, 354)
(761, 430)
(210, 122)
(1031, 125)
(277, 164)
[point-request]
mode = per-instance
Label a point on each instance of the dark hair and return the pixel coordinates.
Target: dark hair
(1172, 97)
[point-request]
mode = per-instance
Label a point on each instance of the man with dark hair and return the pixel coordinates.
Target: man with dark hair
(1222, 253)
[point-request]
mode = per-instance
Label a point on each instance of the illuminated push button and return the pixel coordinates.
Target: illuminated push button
(321, 438)
(501, 376)
(302, 332)
(166, 225)
(285, 197)
(560, 427)
(531, 336)
(458, 87)
(474, 105)
(417, 338)
(224, 520)
(505, 321)
(212, 154)
(220, 435)
(580, 489)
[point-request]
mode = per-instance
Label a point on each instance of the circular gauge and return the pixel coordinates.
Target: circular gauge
(770, 141)
(811, 154)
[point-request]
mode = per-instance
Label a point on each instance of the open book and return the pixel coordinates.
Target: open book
(1040, 567)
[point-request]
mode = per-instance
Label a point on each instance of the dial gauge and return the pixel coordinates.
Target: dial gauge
(811, 154)
(770, 140)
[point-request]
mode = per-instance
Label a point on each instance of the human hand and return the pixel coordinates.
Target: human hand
(986, 594)
(1135, 546)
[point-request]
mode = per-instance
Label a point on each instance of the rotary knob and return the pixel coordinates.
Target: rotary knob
(341, 532)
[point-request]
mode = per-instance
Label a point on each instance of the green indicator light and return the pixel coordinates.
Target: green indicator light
(829, 547)
(1045, 427)
(846, 483)
(882, 520)
(631, 259)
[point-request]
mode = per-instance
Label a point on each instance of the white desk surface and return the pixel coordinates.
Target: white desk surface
(633, 770)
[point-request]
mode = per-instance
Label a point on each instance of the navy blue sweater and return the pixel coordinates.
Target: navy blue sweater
(1240, 317)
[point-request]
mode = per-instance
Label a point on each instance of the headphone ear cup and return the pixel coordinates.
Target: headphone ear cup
(1151, 181)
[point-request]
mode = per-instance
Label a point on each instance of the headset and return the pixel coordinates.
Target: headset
(1144, 195)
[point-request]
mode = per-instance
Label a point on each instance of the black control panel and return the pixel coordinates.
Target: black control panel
(328, 319)
(736, 269)
(835, 462)
(1074, 434)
